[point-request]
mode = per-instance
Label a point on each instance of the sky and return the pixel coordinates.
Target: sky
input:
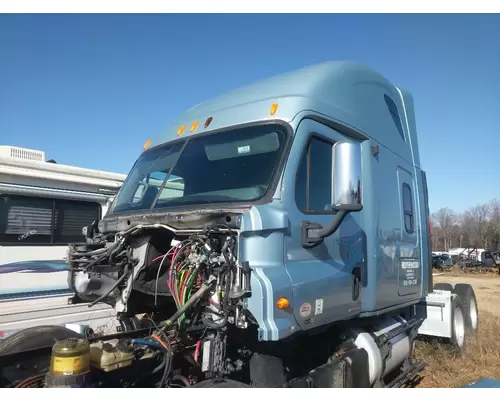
(90, 89)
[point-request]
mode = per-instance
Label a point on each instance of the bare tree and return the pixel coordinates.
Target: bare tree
(494, 223)
(445, 219)
(457, 235)
(478, 225)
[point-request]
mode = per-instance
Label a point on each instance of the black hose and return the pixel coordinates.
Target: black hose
(162, 365)
(168, 363)
(193, 299)
(218, 225)
(182, 379)
(96, 260)
(115, 285)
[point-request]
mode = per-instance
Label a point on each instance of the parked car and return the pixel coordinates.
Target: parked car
(442, 261)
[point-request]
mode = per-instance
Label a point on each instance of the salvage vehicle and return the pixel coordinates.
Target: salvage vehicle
(274, 236)
(442, 261)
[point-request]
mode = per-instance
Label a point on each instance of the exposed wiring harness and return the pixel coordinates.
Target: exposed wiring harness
(198, 273)
(196, 268)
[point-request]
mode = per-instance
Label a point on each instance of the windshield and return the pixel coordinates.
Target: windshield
(231, 166)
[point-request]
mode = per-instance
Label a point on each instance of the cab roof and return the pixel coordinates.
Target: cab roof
(347, 92)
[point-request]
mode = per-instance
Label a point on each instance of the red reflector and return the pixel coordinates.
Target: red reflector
(208, 121)
(1, 334)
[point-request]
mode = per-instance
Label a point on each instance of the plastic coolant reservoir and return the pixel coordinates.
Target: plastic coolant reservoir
(110, 355)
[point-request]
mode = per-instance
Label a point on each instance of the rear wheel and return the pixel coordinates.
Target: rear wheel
(457, 340)
(469, 302)
(443, 286)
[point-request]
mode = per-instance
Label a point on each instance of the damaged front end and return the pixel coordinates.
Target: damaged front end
(154, 266)
(175, 250)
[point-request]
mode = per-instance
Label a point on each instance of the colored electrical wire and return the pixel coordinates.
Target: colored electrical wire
(169, 356)
(197, 351)
(29, 381)
(149, 343)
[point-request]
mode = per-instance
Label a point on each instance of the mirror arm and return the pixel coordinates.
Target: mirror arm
(313, 234)
(342, 211)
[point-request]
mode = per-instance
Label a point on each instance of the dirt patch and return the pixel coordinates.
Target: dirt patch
(481, 356)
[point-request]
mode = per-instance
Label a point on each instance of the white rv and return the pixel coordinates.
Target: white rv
(43, 207)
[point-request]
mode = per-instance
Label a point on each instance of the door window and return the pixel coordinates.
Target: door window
(313, 191)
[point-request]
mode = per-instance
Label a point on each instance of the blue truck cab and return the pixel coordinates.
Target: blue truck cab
(300, 142)
(287, 222)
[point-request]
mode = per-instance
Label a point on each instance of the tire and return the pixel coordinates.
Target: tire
(444, 286)
(469, 302)
(219, 383)
(35, 337)
(458, 330)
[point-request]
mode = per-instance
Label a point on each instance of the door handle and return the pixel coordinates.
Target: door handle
(356, 282)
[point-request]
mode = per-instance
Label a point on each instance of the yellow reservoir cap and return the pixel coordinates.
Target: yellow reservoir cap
(70, 357)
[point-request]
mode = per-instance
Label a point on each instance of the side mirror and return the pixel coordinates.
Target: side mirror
(347, 174)
(346, 192)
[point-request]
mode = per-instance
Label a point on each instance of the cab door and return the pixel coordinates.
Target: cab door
(326, 278)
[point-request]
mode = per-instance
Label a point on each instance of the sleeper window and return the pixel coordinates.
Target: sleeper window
(407, 208)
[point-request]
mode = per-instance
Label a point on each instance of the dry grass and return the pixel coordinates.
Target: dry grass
(457, 271)
(481, 356)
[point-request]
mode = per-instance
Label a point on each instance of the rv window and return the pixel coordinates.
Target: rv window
(25, 220)
(28, 220)
(70, 217)
(407, 208)
(313, 190)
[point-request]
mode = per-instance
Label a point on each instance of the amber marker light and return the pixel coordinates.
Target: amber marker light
(180, 130)
(146, 144)
(194, 126)
(282, 303)
(274, 108)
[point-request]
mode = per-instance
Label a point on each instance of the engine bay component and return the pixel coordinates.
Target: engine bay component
(191, 289)
(111, 355)
(70, 364)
